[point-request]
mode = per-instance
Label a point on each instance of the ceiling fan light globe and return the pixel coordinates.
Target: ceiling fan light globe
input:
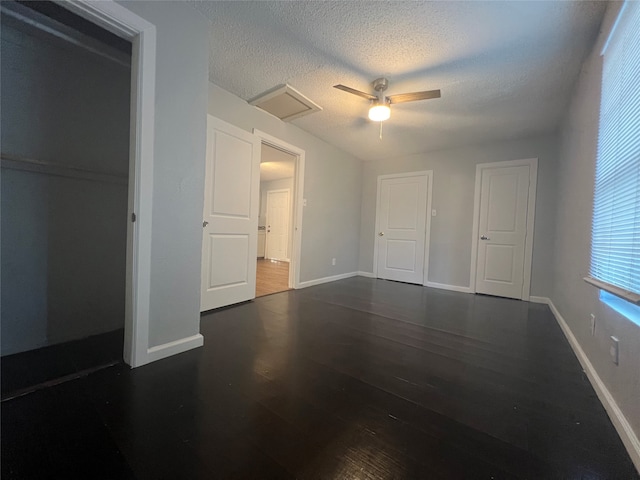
(379, 113)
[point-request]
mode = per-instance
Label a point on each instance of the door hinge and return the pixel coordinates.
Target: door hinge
(133, 217)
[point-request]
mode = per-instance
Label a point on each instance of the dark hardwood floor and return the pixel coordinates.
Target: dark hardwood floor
(34, 369)
(359, 378)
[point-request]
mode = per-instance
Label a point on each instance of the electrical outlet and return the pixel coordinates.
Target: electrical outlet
(614, 350)
(593, 324)
(433, 212)
(333, 261)
(304, 202)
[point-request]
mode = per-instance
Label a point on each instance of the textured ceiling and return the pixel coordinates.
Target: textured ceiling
(275, 164)
(505, 69)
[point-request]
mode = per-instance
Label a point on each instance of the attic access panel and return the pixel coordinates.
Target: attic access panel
(285, 102)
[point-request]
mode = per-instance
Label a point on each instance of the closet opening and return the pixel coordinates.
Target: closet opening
(65, 100)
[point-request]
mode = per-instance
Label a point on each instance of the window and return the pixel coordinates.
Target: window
(615, 247)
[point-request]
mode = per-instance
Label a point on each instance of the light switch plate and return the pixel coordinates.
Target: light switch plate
(614, 350)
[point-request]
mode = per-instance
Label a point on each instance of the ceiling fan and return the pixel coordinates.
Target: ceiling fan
(380, 109)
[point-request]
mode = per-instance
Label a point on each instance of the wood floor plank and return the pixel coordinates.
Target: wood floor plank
(359, 378)
(272, 276)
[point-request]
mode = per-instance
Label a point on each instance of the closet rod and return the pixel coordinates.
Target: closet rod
(16, 162)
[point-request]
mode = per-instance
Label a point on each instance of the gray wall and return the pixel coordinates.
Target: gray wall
(332, 187)
(574, 298)
(453, 196)
(63, 239)
(182, 60)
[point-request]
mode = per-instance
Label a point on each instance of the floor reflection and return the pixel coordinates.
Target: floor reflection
(359, 378)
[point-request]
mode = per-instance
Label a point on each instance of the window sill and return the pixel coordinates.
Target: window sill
(630, 297)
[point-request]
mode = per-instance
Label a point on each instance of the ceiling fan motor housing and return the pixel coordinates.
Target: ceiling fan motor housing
(380, 84)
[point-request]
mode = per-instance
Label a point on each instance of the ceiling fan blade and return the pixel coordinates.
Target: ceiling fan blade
(368, 96)
(414, 96)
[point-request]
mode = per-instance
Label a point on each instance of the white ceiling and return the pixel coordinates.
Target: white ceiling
(506, 69)
(275, 164)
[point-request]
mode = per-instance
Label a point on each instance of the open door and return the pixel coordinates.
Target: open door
(230, 218)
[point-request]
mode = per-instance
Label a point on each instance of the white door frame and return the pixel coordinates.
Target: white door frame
(266, 240)
(429, 175)
(142, 34)
(531, 213)
(296, 200)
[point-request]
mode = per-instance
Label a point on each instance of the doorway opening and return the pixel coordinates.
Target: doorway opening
(280, 218)
(65, 189)
(232, 215)
(275, 232)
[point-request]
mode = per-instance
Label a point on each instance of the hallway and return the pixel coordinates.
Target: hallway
(272, 276)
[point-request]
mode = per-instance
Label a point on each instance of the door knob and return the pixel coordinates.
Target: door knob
(204, 224)
(484, 237)
(381, 234)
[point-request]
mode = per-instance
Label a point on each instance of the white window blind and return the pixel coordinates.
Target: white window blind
(615, 250)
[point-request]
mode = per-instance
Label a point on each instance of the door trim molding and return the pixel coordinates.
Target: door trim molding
(297, 200)
(289, 218)
(142, 34)
(429, 175)
(532, 163)
(427, 233)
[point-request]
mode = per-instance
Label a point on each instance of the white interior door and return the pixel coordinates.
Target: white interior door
(401, 220)
(502, 230)
(230, 221)
(278, 213)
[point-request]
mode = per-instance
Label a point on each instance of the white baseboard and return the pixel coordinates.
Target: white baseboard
(366, 274)
(444, 286)
(620, 422)
(173, 348)
(333, 278)
(534, 299)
